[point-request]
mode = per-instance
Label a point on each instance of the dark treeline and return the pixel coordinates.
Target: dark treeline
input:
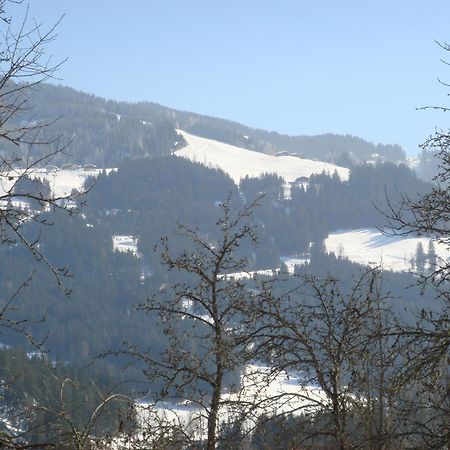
(362, 200)
(38, 399)
(328, 203)
(150, 198)
(96, 133)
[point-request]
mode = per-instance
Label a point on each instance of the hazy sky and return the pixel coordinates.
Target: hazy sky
(293, 66)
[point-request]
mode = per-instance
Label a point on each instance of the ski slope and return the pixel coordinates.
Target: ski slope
(370, 246)
(239, 162)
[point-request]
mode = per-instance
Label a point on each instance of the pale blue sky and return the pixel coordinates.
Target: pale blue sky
(297, 67)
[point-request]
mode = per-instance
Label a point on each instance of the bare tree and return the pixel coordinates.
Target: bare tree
(205, 314)
(430, 214)
(24, 153)
(428, 341)
(25, 197)
(334, 341)
(60, 423)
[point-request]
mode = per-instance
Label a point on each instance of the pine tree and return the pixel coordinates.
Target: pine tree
(432, 257)
(421, 258)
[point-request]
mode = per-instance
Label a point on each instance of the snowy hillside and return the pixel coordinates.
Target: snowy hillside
(366, 246)
(62, 181)
(239, 162)
(370, 247)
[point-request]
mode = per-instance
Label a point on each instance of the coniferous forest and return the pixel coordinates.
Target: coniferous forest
(159, 303)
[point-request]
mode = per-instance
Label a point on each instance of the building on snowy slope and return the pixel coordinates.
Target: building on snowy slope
(299, 182)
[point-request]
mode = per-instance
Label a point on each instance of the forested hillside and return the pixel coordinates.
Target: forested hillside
(176, 281)
(103, 132)
(99, 131)
(88, 334)
(343, 150)
(148, 198)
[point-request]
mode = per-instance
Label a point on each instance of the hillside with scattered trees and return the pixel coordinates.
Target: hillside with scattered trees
(103, 132)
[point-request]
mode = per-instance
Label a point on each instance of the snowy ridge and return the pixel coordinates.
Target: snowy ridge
(239, 162)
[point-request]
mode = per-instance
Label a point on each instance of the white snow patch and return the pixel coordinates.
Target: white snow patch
(413, 162)
(62, 181)
(239, 162)
(126, 243)
(248, 275)
(292, 261)
(17, 204)
(261, 392)
(370, 246)
(289, 261)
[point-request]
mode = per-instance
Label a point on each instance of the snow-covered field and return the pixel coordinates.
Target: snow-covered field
(126, 243)
(292, 261)
(245, 275)
(239, 162)
(62, 181)
(262, 393)
(289, 261)
(369, 246)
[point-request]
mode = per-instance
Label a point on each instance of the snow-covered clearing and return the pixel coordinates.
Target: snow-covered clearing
(126, 243)
(262, 393)
(370, 246)
(292, 261)
(62, 181)
(289, 261)
(248, 274)
(366, 246)
(239, 162)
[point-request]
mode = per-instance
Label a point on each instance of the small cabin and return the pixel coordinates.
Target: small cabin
(69, 166)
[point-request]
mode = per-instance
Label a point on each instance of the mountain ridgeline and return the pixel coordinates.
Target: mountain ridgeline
(104, 132)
